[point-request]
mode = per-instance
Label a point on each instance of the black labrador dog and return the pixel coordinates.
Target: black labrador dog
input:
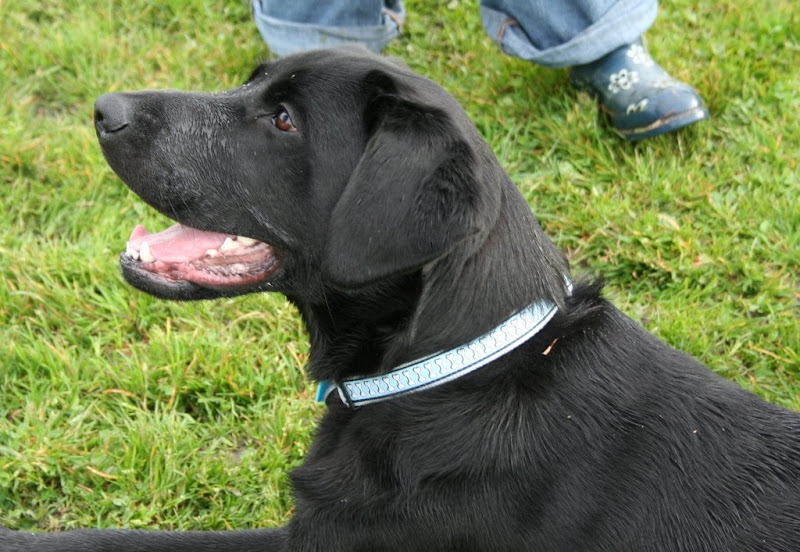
(479, 400)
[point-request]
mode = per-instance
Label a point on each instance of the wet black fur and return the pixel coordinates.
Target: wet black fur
(399, 235)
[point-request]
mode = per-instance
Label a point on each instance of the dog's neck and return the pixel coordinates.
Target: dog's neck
(432, 371)
(446, 304)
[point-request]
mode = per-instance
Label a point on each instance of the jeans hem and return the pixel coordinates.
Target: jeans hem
(288, 37)
(622, 24)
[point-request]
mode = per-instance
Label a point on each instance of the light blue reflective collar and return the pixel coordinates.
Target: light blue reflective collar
(446, 366)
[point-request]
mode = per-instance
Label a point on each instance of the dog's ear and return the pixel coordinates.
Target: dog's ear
(414, 194)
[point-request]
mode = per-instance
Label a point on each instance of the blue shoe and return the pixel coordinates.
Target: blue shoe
(640, 98)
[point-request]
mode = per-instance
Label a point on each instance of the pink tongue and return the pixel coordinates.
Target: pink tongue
(178, 243)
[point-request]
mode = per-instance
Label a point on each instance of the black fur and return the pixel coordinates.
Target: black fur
(400, 235)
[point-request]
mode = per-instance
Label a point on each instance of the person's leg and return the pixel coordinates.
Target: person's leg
(600, 41)
(298, 25)
(565, 33)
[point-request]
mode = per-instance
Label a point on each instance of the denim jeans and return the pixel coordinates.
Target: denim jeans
(553, 33)
(297, 25)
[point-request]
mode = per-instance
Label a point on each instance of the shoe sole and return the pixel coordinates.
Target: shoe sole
(663, 125)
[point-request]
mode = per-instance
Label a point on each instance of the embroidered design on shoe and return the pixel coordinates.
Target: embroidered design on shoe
(639, 55)
(623, 80)
(636, 107)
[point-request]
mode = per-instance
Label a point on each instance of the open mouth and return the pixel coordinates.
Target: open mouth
(183, 254)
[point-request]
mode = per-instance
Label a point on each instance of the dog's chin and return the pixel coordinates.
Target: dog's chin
(181, 290)
(184, 263)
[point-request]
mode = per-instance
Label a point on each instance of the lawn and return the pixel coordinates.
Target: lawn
(119, 410)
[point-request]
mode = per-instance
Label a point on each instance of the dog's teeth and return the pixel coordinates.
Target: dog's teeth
(144, 254)
(229, 245)
(247, 242)
(211, 253)
(131, 252)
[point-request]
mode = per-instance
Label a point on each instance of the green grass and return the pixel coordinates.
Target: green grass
(120, 410)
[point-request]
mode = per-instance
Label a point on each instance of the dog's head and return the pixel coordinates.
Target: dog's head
(333, 167)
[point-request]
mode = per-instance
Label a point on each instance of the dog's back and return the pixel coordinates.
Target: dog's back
(611, 441)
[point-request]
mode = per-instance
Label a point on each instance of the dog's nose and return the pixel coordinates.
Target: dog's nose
(110, 113)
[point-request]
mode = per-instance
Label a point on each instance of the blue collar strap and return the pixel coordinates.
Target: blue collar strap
(443, 367)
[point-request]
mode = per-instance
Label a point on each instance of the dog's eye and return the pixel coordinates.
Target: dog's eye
(283, 121)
